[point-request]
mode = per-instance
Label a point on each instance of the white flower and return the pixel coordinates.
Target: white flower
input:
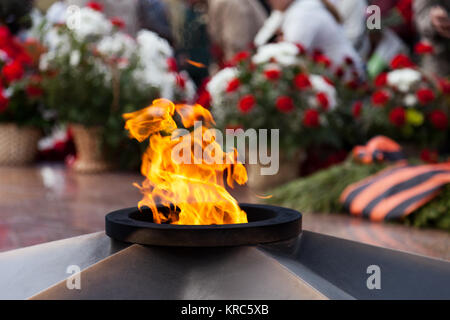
(218, 84)
(153, 53)
(270, 26)
(320, 85)
(55, 40)
(403, 79)
(91, 23)
(75, 57)
(284, 53)
(117, 45)
(190, 89)
(153, 48)
(410, 100)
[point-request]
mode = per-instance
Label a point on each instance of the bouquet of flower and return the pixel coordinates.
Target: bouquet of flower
(94, 72)
(93, 69)
(407, 105)
(20, 83)
(282, 87)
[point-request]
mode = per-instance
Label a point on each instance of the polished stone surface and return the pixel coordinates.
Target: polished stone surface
(311, 266)
(45, 203)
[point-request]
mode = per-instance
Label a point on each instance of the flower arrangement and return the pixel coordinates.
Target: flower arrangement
(20, 83)
(93, 72)
(283, 87)
(93, 66)
(408, 105)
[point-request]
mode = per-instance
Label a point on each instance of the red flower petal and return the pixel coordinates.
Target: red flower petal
(233, 85)
(397, 116)
(285, 104)
(301, 81)
(439, 119)
(247, 103)
(425, 96)
(311, 118)
(95, 6)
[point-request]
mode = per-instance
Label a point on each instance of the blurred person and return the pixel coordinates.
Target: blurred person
(433, 22)
(153, 16)
(233, 25)
(316, 24)
(353, 14)
(398, 16)
(193, 41)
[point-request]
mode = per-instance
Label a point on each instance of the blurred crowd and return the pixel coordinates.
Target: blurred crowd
(209, 33)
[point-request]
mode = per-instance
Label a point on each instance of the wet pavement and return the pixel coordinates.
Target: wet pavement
(48, 202)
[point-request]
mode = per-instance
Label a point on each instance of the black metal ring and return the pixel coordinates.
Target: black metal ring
(266, 224)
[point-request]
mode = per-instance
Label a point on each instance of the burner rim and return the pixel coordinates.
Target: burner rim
(282, 224)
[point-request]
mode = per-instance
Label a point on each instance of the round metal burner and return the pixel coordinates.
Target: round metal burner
(265, 224)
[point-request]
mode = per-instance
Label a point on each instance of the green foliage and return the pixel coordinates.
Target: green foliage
(23, 109)
(434, 214)
(320, 192)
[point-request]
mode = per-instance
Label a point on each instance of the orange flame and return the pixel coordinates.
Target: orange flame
(195, 63)
(193, 191)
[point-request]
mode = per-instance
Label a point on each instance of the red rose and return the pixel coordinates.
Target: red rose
(401, 61)
(339, 72)
(34, 91)
(349, 61)
(445, 85)
(172, 64)
(24, 58)
(34, 88)
(118, 22)
(3, 102)
(425, 96)
(5, 36)
(301, 48)
(247, 103)
(204, 99)
(285, 104)
(381, 79)
(429, 156)
(95, 6)
(239, 57)
(328, 80)
(380, 98)
(311, 118)
(397, 116)
(439, 119)
(13, 71)
(301, 81)
(322, 59)
(423, 48)
(357, 108)
(323, 101)
(272, 74)
(353, 84)
(234, 127)
(180, 81)
(405, 9)
(233, 85)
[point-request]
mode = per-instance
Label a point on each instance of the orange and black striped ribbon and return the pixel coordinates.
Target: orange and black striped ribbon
(396, 191)
(379, 149)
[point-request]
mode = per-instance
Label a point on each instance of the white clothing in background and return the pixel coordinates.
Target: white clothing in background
(353, 13)
(309, 23)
